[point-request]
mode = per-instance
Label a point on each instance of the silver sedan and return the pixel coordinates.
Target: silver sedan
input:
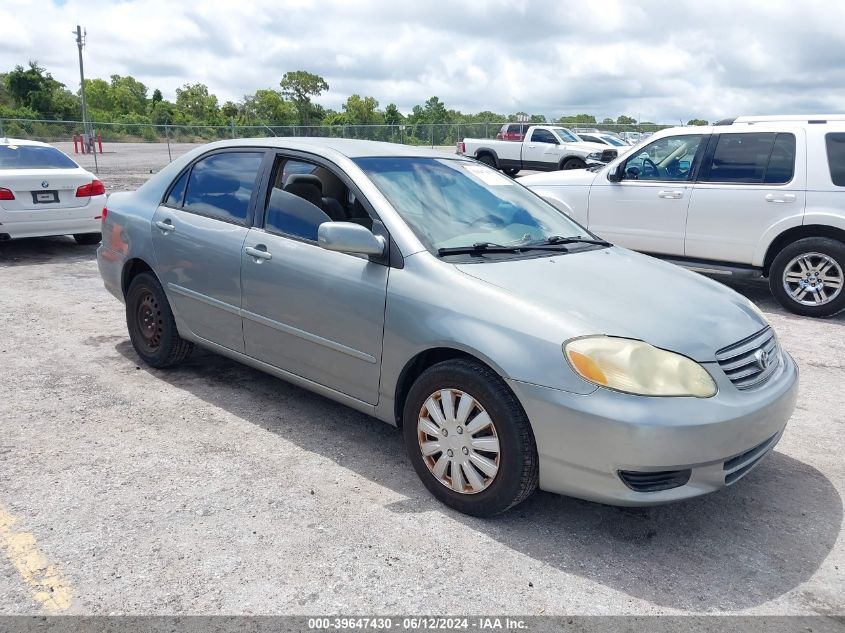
(515, 349)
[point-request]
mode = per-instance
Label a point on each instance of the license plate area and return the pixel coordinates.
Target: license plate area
(45, 197)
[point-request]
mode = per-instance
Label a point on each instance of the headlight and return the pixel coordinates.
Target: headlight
(594, 156)
(637, 367)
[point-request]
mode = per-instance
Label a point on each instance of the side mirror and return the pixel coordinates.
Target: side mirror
(615, 173)
(347, 237)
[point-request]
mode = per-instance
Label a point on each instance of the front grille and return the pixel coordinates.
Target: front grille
(751, 361)
(739, 466)
(653, 482)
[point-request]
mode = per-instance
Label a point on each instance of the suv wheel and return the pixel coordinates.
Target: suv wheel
(487, 159)
(573, 163)
(469, 439)
(152, 328)
(806, 277)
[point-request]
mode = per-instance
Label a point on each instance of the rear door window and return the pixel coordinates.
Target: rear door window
(756, 158)
(221, 185)
(836, 157)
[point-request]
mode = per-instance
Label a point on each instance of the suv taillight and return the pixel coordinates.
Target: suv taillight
(94, 188)
(6, 194)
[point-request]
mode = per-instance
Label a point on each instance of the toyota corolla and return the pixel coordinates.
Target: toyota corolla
(514, 348)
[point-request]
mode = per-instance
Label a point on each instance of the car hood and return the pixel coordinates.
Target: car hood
(560, 178)
(618, 292)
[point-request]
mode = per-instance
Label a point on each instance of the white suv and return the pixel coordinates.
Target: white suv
(748, 196)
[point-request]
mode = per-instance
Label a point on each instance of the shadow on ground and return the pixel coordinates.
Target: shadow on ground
(734, 549)
(44, 250)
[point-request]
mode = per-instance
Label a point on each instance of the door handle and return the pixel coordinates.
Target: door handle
(165, 225)
(672, 195)
(780, 197)
(259, 252)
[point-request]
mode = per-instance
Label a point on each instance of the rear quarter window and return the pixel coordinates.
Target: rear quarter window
(836, 157)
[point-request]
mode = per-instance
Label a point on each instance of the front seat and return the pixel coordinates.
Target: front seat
(307, 184)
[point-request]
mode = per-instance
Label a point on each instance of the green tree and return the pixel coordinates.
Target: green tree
(607, 121)
(626, 120)
(392, 116)
(578, 119)
(269, 107)
(35, 88)
(229, 110)
(299, 86)
(195, 102)
(698, 122)
(362, 110)
(129, 95)
(157, 98)
(98, 95)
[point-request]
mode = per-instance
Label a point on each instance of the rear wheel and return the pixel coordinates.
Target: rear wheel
(573, 163)
(511, 171)
(87, 239)
(469, 439)
(487, 159)
(152, 328)
(806, 277)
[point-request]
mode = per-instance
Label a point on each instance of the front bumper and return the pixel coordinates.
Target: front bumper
(584, 441)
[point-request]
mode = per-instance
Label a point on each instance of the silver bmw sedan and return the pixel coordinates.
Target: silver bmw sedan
(514, 348)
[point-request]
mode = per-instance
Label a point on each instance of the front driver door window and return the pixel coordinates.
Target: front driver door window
(647, 209)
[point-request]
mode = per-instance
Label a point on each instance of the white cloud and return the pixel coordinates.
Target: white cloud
(660, 61)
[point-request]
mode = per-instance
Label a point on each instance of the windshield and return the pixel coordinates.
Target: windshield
(33, 157)
(565, 135)
(452, 203)
(614, 141)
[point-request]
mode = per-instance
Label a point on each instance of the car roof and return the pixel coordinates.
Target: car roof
(351, 148)
(21, 141)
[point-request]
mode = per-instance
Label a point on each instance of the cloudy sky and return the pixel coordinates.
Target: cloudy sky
(658, 61)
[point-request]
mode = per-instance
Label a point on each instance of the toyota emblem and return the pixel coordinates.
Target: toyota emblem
(761, 356)
(44, 184)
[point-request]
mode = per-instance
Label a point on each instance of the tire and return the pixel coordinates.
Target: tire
(816, 266)
(511, 171)
(487, 159)
(573, 163)
(87, 239)
(152, 328)
(509, 433)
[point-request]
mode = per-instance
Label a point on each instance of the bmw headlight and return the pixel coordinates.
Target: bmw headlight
(636, 367)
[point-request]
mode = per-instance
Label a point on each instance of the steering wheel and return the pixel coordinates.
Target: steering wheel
(647, 162)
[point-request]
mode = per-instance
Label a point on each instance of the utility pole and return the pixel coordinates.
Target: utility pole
(88, 130)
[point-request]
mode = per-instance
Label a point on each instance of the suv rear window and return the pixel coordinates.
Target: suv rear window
(836, 157)
(762, 157)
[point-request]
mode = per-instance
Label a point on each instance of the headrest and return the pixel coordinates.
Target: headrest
(307, 191)
(305, 178)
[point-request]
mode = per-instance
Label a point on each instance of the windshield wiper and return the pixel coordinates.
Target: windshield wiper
(554, 240)
(478, 247)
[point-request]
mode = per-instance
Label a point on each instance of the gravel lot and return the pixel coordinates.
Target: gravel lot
(213, 488)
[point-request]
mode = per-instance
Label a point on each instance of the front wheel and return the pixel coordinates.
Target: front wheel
(152, 328)
(87, 239)
(511, 171)
(573, 163)
(806, 277)
(469, 439)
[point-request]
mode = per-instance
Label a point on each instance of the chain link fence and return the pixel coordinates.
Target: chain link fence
(431, 134)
